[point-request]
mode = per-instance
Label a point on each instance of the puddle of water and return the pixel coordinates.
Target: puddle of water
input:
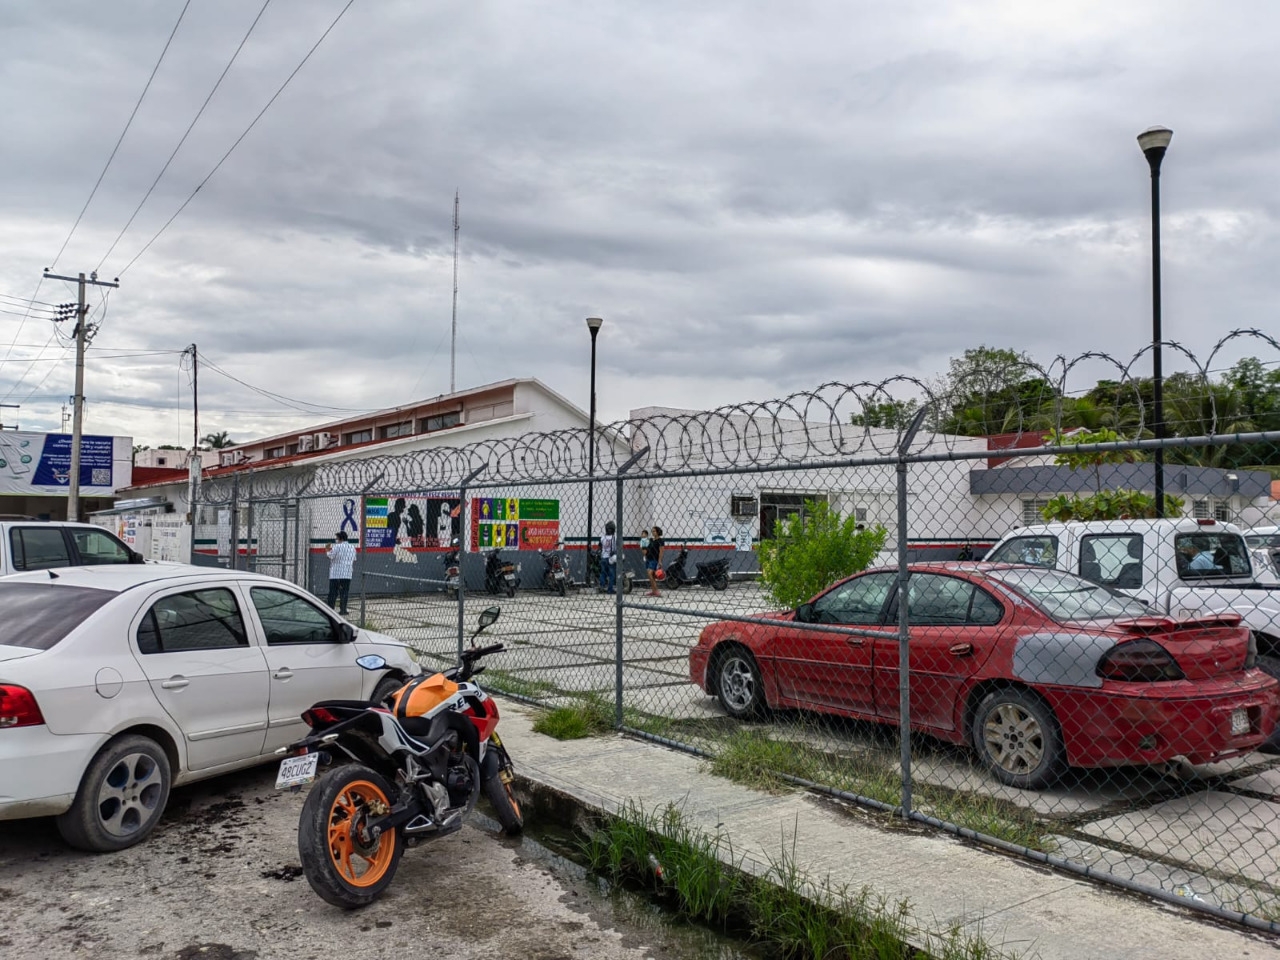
(556, 850)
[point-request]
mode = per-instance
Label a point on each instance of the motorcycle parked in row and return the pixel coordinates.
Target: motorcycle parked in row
(555, 569)
(713, 573)
(420, 761)
(500, 574)
(452, 575)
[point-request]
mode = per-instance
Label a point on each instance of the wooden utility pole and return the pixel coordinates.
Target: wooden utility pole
(77, 416)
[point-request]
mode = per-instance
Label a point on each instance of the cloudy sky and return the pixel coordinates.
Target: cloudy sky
(757, 197)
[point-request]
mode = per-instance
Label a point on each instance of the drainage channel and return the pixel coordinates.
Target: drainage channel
(557, 850)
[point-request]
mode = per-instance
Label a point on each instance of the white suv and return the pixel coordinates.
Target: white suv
(48, 544)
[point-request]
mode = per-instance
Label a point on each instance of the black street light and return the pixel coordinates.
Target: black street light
(593, 324)
(1154, 142)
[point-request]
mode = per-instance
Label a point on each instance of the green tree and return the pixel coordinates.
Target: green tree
(812, 550)
(992, 390)
(888, 415)
(217, 441)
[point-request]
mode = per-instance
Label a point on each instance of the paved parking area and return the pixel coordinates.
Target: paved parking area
(220, 880)
(1208, 831)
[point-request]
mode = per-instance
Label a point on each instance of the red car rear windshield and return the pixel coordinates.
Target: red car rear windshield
(39, 615)
(1066, 597)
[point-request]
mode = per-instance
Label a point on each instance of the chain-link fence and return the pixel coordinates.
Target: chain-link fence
(997, 610)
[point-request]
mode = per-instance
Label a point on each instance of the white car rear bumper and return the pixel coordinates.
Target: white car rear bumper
(40, 771)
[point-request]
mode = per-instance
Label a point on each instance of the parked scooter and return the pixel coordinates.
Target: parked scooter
(499, 574)
(713, 573)
(452, 577)
(555, 576)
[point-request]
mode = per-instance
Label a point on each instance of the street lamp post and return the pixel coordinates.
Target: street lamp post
(1154, 142)
(593, 324)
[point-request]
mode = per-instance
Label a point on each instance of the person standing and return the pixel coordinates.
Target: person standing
(342, 561)
(609, 558)
(653, 560)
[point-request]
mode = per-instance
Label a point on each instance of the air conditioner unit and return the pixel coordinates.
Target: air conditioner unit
(228, 459)
(743, 507)
(306, 443)
(325, 440)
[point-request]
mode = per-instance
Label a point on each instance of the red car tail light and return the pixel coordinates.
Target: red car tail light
(1139, 661)
(18, 708)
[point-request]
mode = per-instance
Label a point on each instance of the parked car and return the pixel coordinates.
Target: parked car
(1265, 544)
(50, 544)
(119, 682)
(1036, 669)
(1147, 559)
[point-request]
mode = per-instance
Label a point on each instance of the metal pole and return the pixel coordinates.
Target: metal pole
(591, 438)
(463, 513)
(1154, 142)
(363, 622)
(1157, 337)
(77, 417)
(234, 558)
(904, 650)
(617, 600)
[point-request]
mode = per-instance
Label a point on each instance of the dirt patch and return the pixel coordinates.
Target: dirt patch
(214, 951)
(287, 873)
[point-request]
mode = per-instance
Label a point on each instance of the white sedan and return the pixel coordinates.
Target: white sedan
(118, 682)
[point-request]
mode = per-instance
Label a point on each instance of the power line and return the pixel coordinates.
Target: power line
(186, 134)
(300, 405)
(40, 303)
(239, 139)
(120, 140)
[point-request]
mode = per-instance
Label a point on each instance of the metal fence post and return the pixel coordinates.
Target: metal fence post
(904, 650)
(363, 624)
(234, 557)
(464, 511)
(617, 590)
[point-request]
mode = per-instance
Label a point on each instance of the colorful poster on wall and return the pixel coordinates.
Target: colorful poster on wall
(412, 522)
(514, 524)
(33, 463)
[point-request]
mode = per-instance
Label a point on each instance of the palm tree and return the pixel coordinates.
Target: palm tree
(217, 441)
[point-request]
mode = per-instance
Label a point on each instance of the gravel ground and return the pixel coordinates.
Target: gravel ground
(220, 880)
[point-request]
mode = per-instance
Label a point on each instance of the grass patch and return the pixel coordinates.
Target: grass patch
(518, 686)
(647, 722)
(588, 717)
(783, 909)
(756, 760)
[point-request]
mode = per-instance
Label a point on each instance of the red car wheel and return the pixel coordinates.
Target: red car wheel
(1018, 739)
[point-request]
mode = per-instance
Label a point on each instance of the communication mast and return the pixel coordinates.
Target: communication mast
(453, 342)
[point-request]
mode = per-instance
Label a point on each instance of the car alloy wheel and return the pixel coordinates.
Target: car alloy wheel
(738, 684)
(1014, 739)
(1018, 738)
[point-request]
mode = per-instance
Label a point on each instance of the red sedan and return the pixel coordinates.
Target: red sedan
(1037, 669)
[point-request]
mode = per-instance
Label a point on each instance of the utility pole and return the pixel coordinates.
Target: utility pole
(193, 461)
(65, 417)
(453, 342)
(77, 417)
(195, 395)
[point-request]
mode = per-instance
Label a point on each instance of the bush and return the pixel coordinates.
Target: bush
(814, 549)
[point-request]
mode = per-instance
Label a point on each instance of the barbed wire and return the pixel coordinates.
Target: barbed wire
(833, 422)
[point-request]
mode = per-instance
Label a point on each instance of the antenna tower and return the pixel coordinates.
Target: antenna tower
(453, 342)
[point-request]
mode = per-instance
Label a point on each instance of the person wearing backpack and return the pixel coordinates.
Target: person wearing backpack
(609, 558)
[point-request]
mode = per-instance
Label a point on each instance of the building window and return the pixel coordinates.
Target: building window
(1031, 510)
(403, 429)
(161, 461)
(271, 453)
(1200, 509)
(441, 421)
(490, 411)
(290, 450)
(1219, 510)
(358, 436)
(776, 507)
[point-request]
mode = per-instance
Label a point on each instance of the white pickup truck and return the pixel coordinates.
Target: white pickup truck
(1181, 568)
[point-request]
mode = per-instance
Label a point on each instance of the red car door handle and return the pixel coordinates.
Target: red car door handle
(961, 649)
(855, 641)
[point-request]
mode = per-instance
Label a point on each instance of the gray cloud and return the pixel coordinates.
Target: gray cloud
(757, 197)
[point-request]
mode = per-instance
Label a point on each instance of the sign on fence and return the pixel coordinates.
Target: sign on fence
(528, 524)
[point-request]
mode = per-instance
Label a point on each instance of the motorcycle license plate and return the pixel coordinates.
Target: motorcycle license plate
(1239, 722)
(559, 574)
(297, 771)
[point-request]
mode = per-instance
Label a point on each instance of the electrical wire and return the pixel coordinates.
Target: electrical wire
(39, 303)
(302, 406)
(239, 139)
(120, 140)
(187, 133)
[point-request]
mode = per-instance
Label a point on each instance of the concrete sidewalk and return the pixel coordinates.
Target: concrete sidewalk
(1023, 908)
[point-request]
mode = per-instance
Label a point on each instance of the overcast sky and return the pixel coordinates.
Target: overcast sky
(757, 197)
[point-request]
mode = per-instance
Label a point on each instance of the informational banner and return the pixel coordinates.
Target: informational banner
(429, 522)
(515, 524)
(718, 530)
(35, 463)
(742, 538)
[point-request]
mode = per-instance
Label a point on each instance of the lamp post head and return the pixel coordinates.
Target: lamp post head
(1154, 141)
(593, 324)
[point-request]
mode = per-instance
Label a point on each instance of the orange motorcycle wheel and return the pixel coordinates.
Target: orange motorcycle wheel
(343, 862)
